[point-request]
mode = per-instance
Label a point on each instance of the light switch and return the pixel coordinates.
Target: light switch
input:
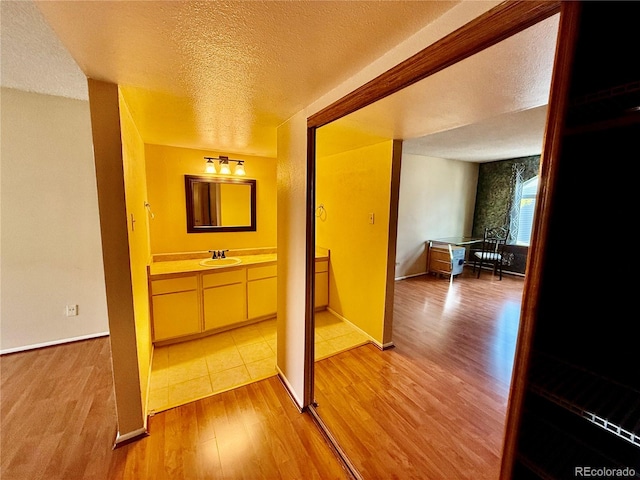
(372, 218)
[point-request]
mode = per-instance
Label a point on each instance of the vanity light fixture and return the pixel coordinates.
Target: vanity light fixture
(223, 164)
(209, 167)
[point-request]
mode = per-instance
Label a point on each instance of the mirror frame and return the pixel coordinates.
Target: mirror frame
(189, 180)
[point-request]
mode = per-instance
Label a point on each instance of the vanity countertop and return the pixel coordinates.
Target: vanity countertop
(192, 265)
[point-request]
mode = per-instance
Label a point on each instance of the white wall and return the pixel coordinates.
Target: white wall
(437, 199)
(292, 172)
(50, 237)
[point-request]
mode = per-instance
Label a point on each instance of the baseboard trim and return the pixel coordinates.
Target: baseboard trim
(410, 276)
(208, 333)
(333, 443)
(130, 437)
(146, 412)
(53, 343)
(287, 386)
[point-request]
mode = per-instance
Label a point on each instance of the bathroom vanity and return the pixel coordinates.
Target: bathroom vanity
(189, 299)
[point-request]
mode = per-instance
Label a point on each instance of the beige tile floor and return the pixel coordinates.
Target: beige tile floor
(334, 335)
(188, 371)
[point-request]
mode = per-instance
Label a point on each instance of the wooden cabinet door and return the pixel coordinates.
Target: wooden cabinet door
(224, 305)
(262, 297)
(321, 299)
(175, 315)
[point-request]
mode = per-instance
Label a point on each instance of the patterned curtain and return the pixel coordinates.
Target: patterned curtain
(517, 175)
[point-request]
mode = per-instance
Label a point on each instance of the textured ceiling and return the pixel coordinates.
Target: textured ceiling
(510, 135)
(33, 59)
(225, 74)
(490, 106)
(222, 75)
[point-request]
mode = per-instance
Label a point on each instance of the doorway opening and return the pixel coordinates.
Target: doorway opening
(503, 313)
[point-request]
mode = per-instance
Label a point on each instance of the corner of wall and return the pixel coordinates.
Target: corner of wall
(108, 155)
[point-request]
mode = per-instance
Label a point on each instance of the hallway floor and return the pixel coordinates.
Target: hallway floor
(195, 369)
(58, 422)
(443, 390)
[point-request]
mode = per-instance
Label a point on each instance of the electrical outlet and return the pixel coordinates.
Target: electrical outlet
(72, 310)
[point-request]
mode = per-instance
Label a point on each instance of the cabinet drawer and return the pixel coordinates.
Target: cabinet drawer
(322, 266)
(172, 285)
(223, 278)
(440, 261)
(256, 273)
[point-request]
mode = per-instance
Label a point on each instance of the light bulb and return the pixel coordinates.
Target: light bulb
(239, 169)
(224, 167)
(210, 167)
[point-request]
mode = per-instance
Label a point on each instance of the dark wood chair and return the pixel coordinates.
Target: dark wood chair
(492, 250)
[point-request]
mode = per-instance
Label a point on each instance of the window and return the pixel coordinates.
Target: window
(527, 208)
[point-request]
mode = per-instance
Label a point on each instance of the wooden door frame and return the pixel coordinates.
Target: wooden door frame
(490, 28)
(560, 82)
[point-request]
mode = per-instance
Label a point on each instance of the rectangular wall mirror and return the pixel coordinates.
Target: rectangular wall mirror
(217, 204)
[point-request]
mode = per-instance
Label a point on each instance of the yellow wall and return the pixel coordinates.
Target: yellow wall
(351, 186)
(166, 168)
(138, 232)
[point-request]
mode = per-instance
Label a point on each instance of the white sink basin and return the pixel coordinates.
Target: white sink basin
(220, 262)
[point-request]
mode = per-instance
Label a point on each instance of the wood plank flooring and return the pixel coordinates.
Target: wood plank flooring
(434, 406)
(57, 419)
(431, 408)
(57, 412)
(251, 432)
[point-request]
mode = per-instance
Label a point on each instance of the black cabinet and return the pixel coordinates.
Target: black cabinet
(580, 407)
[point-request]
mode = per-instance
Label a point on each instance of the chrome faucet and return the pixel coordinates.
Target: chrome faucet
(218, 254)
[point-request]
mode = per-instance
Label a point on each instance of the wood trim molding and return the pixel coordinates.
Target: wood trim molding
(567, 33)
(130, 437)
(333, 443)
(310, 260)
(394, 201)
(191, 180)
(502, 21)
